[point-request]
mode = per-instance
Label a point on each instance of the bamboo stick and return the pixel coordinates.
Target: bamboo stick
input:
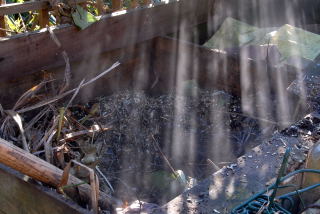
(43, 171)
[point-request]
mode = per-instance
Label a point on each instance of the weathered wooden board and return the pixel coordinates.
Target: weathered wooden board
(2, 22)
(274, 13)
(14, 8)
(135, 60)
(18, 196)
(176, 61)
(36, 51)
(159, 65)
(38, 169)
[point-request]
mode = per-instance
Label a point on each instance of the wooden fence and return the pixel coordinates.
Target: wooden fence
(44, 7)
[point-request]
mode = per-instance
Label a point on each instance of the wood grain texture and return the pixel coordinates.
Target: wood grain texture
(116, 4)
(134, 60)
(176, 61)
(20, 55)
(14, 8)
(2, 22)
(44, 18)
(36, 168)
(18, 196)
(146, 2)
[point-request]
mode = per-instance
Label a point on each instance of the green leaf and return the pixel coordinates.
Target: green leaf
(83, 18)
(11, 24)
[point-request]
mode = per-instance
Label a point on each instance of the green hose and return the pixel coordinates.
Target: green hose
(265, 204)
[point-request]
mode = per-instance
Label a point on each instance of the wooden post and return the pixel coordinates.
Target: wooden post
(146, 2)
(43, 171)
(134, 3)
(43, 18)
(100, 7)
(2, 21)
(116, 4)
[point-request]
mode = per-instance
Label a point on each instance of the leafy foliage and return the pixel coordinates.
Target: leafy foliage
(83, 18)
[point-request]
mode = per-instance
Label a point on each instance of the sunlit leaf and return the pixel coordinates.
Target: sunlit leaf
(83, 18)
(11, 24)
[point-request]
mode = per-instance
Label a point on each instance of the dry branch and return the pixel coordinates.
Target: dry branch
(43, 171)
(73, 135)
(60, 96)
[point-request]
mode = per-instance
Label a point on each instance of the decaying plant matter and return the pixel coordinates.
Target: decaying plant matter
(41, 123)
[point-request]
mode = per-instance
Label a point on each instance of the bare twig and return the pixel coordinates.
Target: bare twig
(75, 94)
(73, 135)
(21, 101)
(60, 96)
(32, 91)
(67, 70)
(156, 145)
(76, 122)
(47, 135)
(37, 118)
(60, 123)
(53, 37)
(48, 148)
(62, 110)
(16, 117)
(105, 178)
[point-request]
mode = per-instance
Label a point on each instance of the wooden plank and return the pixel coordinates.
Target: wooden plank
(21, 54)
(134, 3)
(14, 8)
(176, 61)
(116, 4)
(146, 2)
(38, 169)
(44, 18)
(200, 63)
(18, 196)
(2, 21)
(134, 60)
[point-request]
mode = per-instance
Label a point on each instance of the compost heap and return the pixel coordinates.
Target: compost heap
(136, 153)
(143, 147)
